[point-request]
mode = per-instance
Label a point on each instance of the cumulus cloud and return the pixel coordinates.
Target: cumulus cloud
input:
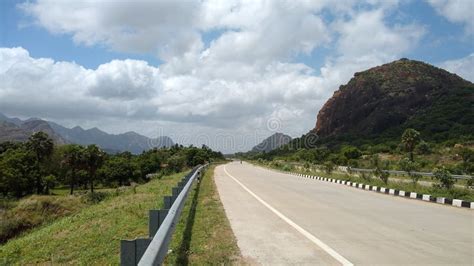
(464, 67)
(233, 85)
(127, 80)
(164, 28)
(457, 11)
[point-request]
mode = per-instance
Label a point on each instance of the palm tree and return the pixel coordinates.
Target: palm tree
(93, 160)
(410, 138)
(73, 158)
(42, 147)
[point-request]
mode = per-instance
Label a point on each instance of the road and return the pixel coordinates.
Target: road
(282, 219)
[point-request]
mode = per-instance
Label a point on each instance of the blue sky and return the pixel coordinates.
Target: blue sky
(212, 67)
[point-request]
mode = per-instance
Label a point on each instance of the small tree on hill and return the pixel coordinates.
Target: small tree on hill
(73, 160)
(93, 160)
(410, 167)
(410, 138)
(379, 168)
(444, 177)
(329, 167)
(42, 146)
(467, 156)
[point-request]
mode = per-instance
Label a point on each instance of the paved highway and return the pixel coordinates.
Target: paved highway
(282, 219)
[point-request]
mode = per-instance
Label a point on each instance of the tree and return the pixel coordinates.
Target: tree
(117, 169)
(42, 146)
(49, 182)
(17, 172)
(423, 147)
(379, 168)
(409, 167)
(444, 177)
(93, 160)
(467, 156)
(410, 138)
(74, 161)
(329, 167)
(176, 162)
(351, 152)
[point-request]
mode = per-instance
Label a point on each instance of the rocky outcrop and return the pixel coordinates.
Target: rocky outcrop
(396, 95)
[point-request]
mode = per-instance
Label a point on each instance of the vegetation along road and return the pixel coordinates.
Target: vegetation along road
(281, 219)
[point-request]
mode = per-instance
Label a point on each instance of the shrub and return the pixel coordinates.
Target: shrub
(351, 152)
(379, 168)
(329, 167)
(409, 167)
(95, 197)
(444, 177)
(423, 148)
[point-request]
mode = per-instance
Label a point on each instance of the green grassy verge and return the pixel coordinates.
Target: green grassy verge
(203, 235)
(91, 236)
(35, 210)
(454, 193)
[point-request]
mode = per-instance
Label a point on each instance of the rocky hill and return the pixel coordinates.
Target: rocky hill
(274, 141)
(14, 129)
(385, 100)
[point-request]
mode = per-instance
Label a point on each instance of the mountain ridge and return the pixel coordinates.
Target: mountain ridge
(128, 141)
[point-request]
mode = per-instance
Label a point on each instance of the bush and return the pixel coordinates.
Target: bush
(351, 152)
(329, 167)
(444, 177)
(410, 167)
(95, 197)
(423, 148)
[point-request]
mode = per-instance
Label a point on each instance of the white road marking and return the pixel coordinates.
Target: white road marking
(298, 228)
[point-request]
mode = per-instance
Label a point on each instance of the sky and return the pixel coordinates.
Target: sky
(222, 73)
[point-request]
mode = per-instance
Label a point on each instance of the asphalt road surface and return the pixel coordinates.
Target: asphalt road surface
(282, 219)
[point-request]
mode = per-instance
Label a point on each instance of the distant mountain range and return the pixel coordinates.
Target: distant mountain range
(274, 141)
(14, 129)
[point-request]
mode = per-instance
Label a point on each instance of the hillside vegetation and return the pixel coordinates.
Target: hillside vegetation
(92, 235)
(39, 167)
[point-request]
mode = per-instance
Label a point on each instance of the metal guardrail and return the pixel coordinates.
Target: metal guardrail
(397, 172)
(162, 223)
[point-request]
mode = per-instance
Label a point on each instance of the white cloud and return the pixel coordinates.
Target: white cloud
(464, 67)
(367, 34)
(127, 80)
(164, 28)
(457, 11)
(244, 78)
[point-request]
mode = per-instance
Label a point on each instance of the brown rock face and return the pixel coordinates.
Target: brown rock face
(385, 97)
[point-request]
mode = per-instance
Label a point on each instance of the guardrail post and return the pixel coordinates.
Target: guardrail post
(131, 251)
(175, 192)
(168, 202)
(156, 218)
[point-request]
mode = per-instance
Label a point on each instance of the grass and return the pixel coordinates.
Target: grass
(454, 193)
(92, 235)
(36, 210)
(203, 235)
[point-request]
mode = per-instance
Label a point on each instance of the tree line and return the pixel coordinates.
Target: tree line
(367, 156)
(38, 165)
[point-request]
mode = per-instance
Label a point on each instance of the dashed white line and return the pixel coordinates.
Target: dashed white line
(298, 228)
